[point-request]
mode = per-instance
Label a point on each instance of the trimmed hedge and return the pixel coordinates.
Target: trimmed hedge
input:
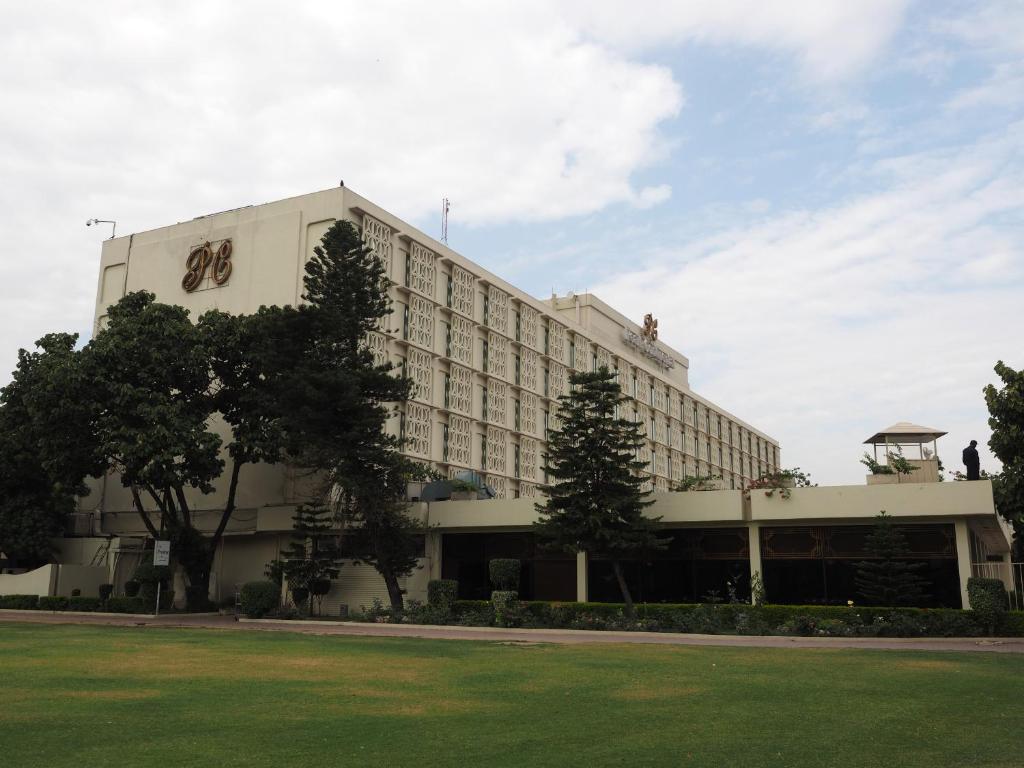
(85, 604)
(55, 603)
(504, 573)
(260, 598)
(989, 601)
(125, 605)
(442, 593)
(20, 602)
(840, 621)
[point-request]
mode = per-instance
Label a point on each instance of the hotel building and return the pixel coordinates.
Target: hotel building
(489, 363)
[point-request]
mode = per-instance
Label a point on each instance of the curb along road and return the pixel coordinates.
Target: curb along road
(493, 634)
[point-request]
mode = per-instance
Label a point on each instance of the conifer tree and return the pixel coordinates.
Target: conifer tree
(596, 500)
(890, 579)
(336, 401)
(314, 554)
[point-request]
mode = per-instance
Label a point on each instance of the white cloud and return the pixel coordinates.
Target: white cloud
(832, 39)
(514, 110)
(824, 326)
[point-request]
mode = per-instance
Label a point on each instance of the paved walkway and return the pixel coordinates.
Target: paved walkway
(565, 636)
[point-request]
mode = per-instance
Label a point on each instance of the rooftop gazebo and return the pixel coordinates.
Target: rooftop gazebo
(904, 435)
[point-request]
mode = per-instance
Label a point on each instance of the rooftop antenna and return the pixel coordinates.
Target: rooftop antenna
(113, 229)
(445, 206)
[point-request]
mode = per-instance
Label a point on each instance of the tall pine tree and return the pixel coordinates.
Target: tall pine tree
(890, 578)
(596, 501)
(336, 401)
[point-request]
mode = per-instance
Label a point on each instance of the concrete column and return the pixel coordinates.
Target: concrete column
(963, 558)
(754, 544)
(581, 577)
(433, 553)
(1006, 572)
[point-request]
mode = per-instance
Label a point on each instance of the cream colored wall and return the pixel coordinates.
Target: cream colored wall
(864, 502)
(41, 581)
(86, 578)
(271, 243)
(692, 507)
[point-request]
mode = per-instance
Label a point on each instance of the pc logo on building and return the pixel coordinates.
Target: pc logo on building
(203, 259)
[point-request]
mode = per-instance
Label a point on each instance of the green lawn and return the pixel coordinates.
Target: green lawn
(83, 697)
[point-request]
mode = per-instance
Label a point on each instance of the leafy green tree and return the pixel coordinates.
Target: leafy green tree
(1006, 420)
(890, 579)
(336, 401)
(45, 445)
(159, 385)
(595, 503)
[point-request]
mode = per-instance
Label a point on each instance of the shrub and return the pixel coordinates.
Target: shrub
(442, 593)
(505, 574)
(147, 573)
(106, 590)
(19, 602)
(989, 601)
(260, 598)
(54, 603)
(84, 604)
(506, 607)
(131, 588)
(147, 594)
(76, 593)
(125, 605)
(418, 613)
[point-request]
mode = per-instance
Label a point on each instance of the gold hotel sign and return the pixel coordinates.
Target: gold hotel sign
(202, 259)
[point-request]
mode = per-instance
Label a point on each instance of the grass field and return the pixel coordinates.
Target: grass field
(84, 696)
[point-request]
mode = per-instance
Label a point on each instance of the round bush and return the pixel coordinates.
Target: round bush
(442, 593)
(989, 601)
(106, 590)
(131, 588)
(260, 598)
(505, 574)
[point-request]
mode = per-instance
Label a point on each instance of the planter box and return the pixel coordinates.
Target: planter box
(883, 479)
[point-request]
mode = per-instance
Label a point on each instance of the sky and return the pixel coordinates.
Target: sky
(822, 202)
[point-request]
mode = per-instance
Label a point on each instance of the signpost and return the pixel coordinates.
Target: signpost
(161, 556)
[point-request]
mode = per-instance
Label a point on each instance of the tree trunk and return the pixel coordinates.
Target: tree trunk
(626, 597)
(394, 590)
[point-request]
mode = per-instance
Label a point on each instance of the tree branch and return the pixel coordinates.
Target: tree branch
(142, 512)
(186, 517)
(229, 507)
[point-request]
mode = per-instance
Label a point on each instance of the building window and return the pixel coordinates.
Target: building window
(547, 339)
(483, 403)
(485, 355)
(515, 455)
(487, 309)
(519, 326)
(449, 291)
(546, 382)
(516, 411)
(447, 390)
(483, 451)
(547, 419)
(518, 368)
(405, 321)
(444, 445)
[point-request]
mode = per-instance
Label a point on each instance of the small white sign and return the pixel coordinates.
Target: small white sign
(162, 553)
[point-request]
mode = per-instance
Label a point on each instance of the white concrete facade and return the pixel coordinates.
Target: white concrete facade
(488, 360)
